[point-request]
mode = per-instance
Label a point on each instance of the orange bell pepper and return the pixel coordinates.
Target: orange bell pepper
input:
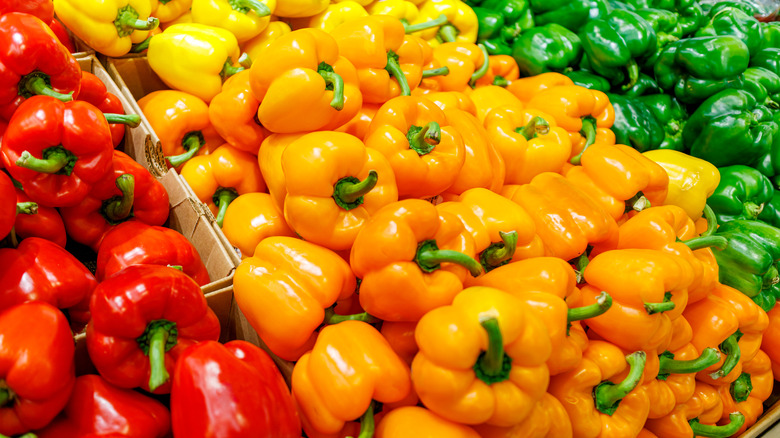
(487, 99)
(233, 114)
(425, 151)
(420, 422)
(548, 420)
(220, 177)
(350, 364)
(770, 343)
(529, 141)
(450, 100)
(285, 288)
(359, 124)
(598, 399)
(502, 70)
(483, 167)
(400, 336)
(466, 63)
(334, 15)
(411, 259)
(303, 84)
(269, 158)
(252, 217)
(526, 88)
(334, 184)
(182, 123)
(747, 394)
(482, 359)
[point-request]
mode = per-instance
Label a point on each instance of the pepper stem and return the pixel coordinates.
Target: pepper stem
(589, 132)
(367, 422)
(441, 71)
(579, 266)
(38, 84)
(500, 81)
(423, 139)
(499, 253)
(140, 47)
(131, 120)
(669, 365)
(736, 420)
(160, 336)
(536, 126)
(653, 308)
(602, 304)
(729, 347)
(26, 208)
(448, 33)
(192, 142)
(244, 6)
(127, 21)
(333, 81)
(741, 388)
(712, 221)
(493, 365)
(55, 160)
(429, 258)
(752, 210)
(348, 192)
(119, 208)
(27, 435)
(719, 242)
(438, 21)
(244, 60)
(608, 395)
(229, 69)
(483, 69)
(637, 203)
(633, 74)
(222, 199)
(394, 68)
(331, 317)
(5, 396)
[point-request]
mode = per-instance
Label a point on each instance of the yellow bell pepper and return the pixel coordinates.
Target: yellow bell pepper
(272, 32)
(400, 9)
(183, 18)
(169, 10)
(360, 2)
(299, 8)
(245, 19)
(332, 16)
(194, 58)
(110, 27)
(461, 25)
(691, 180)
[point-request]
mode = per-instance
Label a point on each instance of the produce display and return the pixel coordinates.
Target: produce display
(496, 218)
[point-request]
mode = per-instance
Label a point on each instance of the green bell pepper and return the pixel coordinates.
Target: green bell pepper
(764, 85)
(731, 128)
(771, 211)
(671, 115)
(644, 85)
(546, 48)
(501, 22)
(588, 80)
(710, 9)
(771, 36)
(571, 14)
(742, 193)
(666, 24)
(694, 69)
(635, 125)
(768, 59)
(732, 21)
(613, 46)
(690, 14)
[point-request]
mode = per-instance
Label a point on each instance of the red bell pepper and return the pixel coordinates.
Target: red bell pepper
(37, 371)
(143, 318)
(94, 91)
(135, 243)
(57, 150)
(43, 9)
(61, 33)
(101, 409)
(128, 192)
(40, 270)
(7, 205)
(32, 61)
(231, 390)
(46, 223)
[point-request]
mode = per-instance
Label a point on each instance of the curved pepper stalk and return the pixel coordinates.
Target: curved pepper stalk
(192, 142)
(741, 388)
(499, 253)
(131, 120)
(118, 208)
(160, 336)
(736, 420)
(56, 160)
(493, 365)
(127, 22)
(334, 82)
(669, 365)
(608, 395)
(441, 20)
(394, 68)
(588, 131)
(222, 199)
(535, 127)
(37, 83)
(483, 69)
(429, 258)
(348, 192)
(729, 347)
(367, 423)
(602, 304)
(422, 139)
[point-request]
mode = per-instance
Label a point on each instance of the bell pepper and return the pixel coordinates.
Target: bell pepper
(570, 14)
(690, 14)
(466, 64)
(314, 79)
(732, 21)
(498, 340)
(771, 339)
(181, 121)
(501, 22)
(768, 58)
(460, 26)
(644, 85)
(198, 411)
(137, 343)
(697, 417)
(484, 167)
(747, 394)
(529, 141)
(764, 85)
(98, 408)
(62, 35)
(296, 298)
(252, 217)
(46, 223)
(129, 192)
(58, 151)
(401, 9)
(600, 398)
(547, 48)
(109, 27)
(169, 10)
(417, 421)
(220, 177)
(684, 69)
(671, 115)
(299, 8)
(635, 125)
(38, 370)
(43, 9)
(615, 44)
(666, 24)
(425, 151)
(442, 99)
(94, 91)
(691, 180)
(502, 70)
(271, 33)
(148, 245)
(491, 97)
(34, 63)
(233, 114)
(369, 369)
(548, 419)
(245, 19)
(593, 81)
(270, 159)
(400, 336)
(194, 58)
(405, 283)
(9, 206)
(753, 320)
(741, 194)
(770, 213)
(334, 15)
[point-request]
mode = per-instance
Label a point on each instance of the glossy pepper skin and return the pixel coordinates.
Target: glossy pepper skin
(232, 113)
(635, 125)
(43, 9)
(170, 10)
(741, 194)
(251, 218)
(299, 8)
(284, 299)
(498, 340)
(33, 62)
(425, 266)
(236, 410)
(272, 32)
(764, 85)
(747, 394)
(734, 22)
(570, 14)
(334, 15)
(162, 312)
(771, 339)
(8, 205)
(461, 25)
(671, 115)
(548, 419)
(483, 167)
(466, 63)
(46, 223)
(129, 192)
(100, 408)
(110, 27)
(305, 70)
(702, 410)
(420, 422)
(58, 151)
(38, 371)
(148, 245)
(691, 180)
(547, 48)
(500, 22)
(244, 19)
(502, 70)
(94, 91)
(269, 158)
(373, 371)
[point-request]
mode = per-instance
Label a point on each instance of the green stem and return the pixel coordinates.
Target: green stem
(131, 120)
(729, 347)
(5, 396)
(394, 68)
(536, 126)
(367, 422)
(500, 81)
(331, 317)
(348, 192)
(448, 33)
(736, 420)
(222, 199)
(333, 81)
(589, 132)
(441, 71)
(499, 253)
(653, 308)
(752, 210)
(192, 142)
(140, 47)
(741, 388)
(176, 267)
(608, 395)
(229, 70)
(602, 304)
(26, 208)
(244, 60)
(422, 139)
(119, 208)
(579, 266)
(483, 69)
(633, 74)
(38, 84)
(429, 258)
(160, 336)
(441, 20)
(637, 202)
(53, 162)
(669, 365)
(712, 221)
(260, 9)
(493, 365)
(127, 19)
(719, 242)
